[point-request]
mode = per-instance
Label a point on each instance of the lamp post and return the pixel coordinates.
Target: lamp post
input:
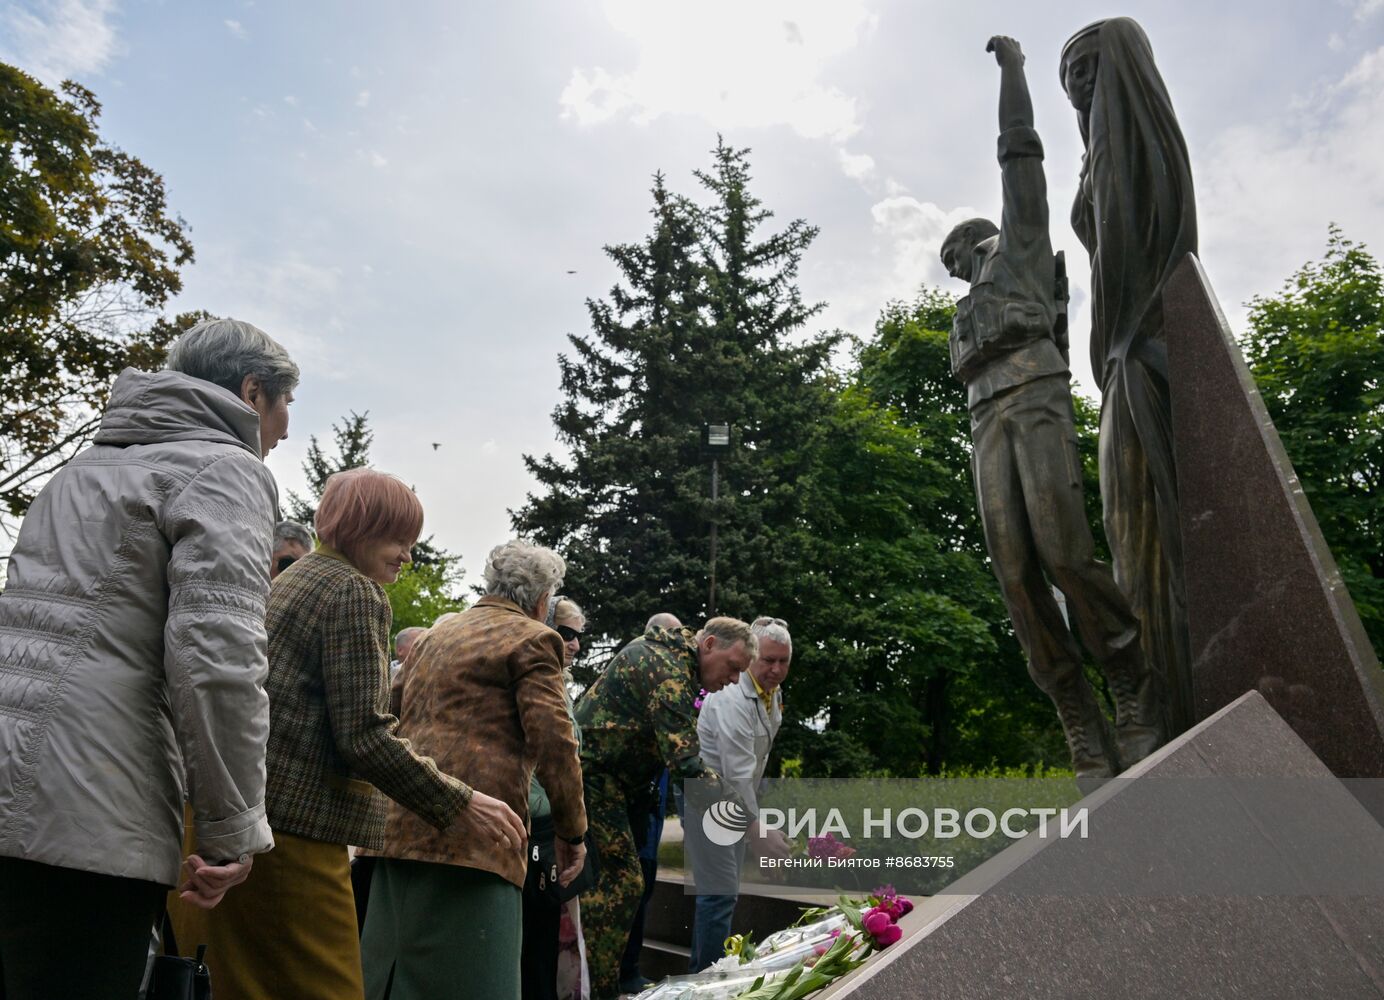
(715, 443)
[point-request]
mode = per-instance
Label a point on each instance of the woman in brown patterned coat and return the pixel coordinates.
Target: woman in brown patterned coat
(484, 695)
(333, 756)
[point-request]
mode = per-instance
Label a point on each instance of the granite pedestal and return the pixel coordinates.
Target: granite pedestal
(1266, 607)
(1231, 863)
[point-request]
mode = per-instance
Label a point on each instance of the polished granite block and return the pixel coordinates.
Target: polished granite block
(1229, 864)
(1266, 607)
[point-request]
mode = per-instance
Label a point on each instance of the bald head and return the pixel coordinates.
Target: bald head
(403, 642)
(663, 619)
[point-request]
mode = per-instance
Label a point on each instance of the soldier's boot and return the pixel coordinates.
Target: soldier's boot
(1140, 726)
(1094, 756)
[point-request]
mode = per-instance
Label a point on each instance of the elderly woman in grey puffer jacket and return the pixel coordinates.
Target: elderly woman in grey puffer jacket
(132, 654)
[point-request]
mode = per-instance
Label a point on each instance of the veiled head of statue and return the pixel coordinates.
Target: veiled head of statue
(1080, 57)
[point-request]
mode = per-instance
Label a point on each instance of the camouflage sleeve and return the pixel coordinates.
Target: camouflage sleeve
(673, 709)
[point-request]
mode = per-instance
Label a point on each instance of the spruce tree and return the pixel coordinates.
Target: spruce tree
(697, 330)
(352, 438)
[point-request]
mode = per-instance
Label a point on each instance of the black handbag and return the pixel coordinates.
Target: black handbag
(177, 978)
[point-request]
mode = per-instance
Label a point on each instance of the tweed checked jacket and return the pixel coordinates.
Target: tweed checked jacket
(483, 695)
(332, 743)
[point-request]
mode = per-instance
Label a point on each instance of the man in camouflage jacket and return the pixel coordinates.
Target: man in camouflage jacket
(639, 717)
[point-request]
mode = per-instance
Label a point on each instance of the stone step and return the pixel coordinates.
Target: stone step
(671, 909)
(660, 959)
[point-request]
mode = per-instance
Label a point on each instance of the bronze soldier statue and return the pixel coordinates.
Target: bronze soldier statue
(1009, 347)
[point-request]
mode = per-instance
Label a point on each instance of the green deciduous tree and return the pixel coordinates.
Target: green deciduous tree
(88, 255)
(921, 669)
(1317, 352)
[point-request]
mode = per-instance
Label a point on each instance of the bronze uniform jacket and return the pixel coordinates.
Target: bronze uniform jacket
(331, 739)
(483, 696)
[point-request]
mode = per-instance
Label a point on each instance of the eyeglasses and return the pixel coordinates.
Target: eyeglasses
(286, 561)
(761, 622)
(567, 632)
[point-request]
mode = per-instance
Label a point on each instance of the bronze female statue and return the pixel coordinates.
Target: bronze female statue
(1136, 216)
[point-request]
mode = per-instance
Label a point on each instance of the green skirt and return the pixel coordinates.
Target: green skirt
(435, 931)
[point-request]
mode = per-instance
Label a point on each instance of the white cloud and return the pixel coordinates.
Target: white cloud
(377, 160)
(767, 71)
(236, 29)
(298, 301)
(1267, 189)
(913, 231)
(291, 101)
(363, 99)
(1365, 9)
(856, 166)
(56, 40)
(901, 256)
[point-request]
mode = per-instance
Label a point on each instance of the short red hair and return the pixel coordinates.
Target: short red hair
(361, 505)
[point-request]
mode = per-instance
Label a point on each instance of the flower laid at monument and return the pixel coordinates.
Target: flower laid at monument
(825, 944)
(827, 846)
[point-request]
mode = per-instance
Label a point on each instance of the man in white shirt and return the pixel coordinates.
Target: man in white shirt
(737, 727)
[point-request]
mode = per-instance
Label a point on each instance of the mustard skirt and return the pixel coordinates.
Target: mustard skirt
(288, 931)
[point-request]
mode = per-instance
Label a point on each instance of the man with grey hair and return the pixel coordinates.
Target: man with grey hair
(638, 717)
(737, 727)
(133, 658)
(292, 541)
(664, 619)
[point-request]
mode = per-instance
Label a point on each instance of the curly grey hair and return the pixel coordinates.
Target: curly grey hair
(292, 531)
(224, 351)
(730, 631)
(523, 573)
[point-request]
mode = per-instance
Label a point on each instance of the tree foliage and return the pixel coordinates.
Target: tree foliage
(846, 501)
(88, 255)
(921, 669)
(428, 586)
(1317, 352)
(705, 325)
(352, 439)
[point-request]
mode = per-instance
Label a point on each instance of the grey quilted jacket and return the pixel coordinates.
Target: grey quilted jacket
(132, 644)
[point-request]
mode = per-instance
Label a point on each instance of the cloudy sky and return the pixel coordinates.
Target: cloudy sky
(398, 191)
